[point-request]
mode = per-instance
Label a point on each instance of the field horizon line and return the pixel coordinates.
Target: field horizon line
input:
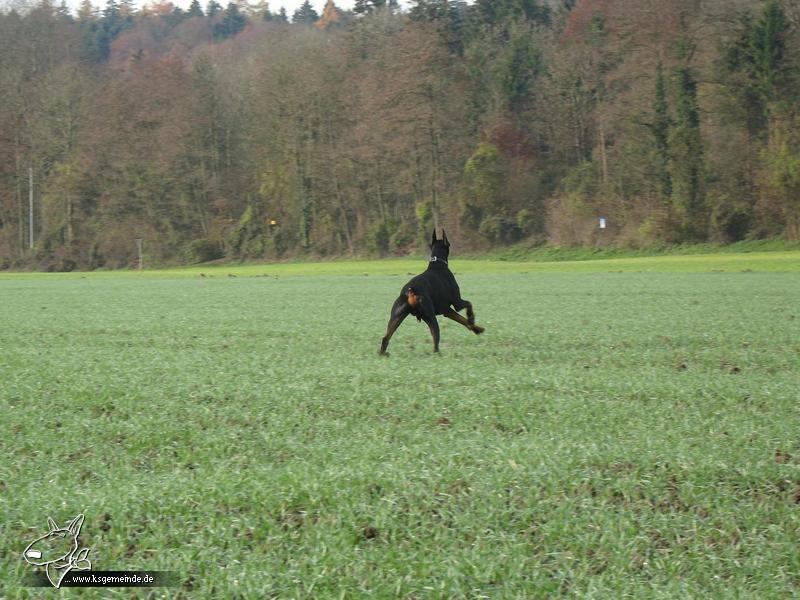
(725, 262)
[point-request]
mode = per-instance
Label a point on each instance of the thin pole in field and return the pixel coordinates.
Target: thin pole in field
(30, 207)
(139, 250)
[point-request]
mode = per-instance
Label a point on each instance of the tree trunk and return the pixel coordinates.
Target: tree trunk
(603, 155)
(348, 236)
(21, 210)
(69, 221)
(433, 132)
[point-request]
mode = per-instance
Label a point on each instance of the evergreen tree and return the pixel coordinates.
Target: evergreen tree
(497, 12)
(100, 33)
(233, 21)
(177, 16)
(686, 154)
(660, 130)
(760, 50)
(112, 8)
(451, 12)
(194, 9)
(362, 7)
(213, 8)
(305, 14)
(518, 67)
(429, 10)
(112, 19)
(282, 17)
(758, 55)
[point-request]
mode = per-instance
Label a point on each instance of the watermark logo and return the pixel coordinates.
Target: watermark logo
(58, 551)
(66, 564)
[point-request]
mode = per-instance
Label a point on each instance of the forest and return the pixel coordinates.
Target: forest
(242, 132)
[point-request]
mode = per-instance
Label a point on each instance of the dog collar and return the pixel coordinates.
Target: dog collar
(437, 259)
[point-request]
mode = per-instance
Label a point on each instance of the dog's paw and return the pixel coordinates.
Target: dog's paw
(478, 329)
(383, 353)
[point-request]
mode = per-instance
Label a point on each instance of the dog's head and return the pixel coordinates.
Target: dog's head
(440, 248)
(55, 545)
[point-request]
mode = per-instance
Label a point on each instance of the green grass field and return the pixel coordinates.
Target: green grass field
(624, 428)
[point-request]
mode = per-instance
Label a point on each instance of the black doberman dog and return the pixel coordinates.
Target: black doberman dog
(434, 292)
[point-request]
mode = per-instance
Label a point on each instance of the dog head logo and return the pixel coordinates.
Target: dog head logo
(57, 551)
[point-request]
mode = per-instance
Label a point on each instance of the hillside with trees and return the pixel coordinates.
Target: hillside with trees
(244, 132)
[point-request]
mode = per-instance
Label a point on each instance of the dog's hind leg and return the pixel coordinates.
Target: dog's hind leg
(451, 314)
(433, 325)
(429, 316)
(400, 310)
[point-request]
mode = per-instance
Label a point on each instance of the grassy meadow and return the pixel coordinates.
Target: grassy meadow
(625, 428)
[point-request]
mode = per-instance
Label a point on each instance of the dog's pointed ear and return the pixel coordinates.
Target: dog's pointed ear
(52, 524)
(433, 238)
(444, 237)
(75, 525)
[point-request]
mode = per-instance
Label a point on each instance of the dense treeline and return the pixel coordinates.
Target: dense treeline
(244, 132)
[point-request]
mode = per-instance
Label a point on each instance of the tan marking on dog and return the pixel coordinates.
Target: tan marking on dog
(412, 298)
